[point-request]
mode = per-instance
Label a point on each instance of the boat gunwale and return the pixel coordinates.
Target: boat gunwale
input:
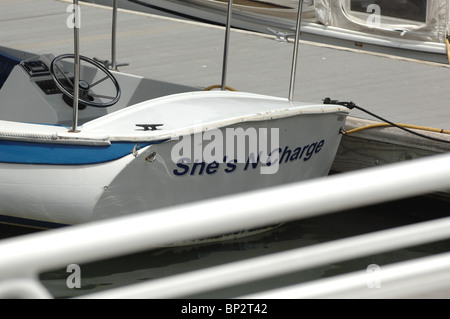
(57, 134)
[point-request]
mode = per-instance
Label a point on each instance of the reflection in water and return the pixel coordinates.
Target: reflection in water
(162, 262)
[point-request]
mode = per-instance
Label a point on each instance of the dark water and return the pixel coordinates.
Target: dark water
(163, 262)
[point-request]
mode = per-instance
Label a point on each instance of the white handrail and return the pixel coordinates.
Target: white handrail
(283, 263)
(26, 256)
(26, 288)
(411, 279)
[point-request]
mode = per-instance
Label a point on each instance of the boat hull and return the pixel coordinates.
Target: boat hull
(151, 178)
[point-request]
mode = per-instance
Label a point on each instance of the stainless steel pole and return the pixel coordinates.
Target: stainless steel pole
(113, 38)
(227, 40)
(294, 58)
(76, 66)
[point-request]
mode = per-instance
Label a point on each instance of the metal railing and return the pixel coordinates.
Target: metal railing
(23, 258)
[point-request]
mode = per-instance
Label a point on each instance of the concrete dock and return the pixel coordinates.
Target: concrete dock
(190, 53)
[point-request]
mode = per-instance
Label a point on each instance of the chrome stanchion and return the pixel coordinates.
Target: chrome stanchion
(227, 40)
(113, 65)
(294, 58)
(76, 66)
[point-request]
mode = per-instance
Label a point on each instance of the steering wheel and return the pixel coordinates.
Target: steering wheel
(87, 95)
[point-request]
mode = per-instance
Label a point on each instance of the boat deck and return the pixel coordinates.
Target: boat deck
(190, 53)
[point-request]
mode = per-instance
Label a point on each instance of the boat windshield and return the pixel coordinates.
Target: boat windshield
(420, 20)
(415, 10)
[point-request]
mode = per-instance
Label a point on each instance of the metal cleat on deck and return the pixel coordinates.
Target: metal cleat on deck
(151, 127)
(281, 36)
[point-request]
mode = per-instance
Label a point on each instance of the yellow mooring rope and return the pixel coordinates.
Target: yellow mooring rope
(423, 128)
(209, 88)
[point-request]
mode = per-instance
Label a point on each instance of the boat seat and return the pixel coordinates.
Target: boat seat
(7, 63)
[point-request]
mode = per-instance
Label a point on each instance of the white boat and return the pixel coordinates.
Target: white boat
(123, 144)
(410, 28)
(247, 14)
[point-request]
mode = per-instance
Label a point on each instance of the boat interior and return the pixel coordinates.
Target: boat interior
(29, 93)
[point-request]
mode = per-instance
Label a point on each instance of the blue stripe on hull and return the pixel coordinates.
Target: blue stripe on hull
(64, 154)
(25, 222)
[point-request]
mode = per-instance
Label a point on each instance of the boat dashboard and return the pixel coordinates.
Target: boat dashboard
(30, 93)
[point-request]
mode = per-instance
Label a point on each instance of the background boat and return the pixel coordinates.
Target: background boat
(413, 29)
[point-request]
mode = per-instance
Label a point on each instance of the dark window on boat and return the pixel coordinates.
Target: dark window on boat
(404, 9)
